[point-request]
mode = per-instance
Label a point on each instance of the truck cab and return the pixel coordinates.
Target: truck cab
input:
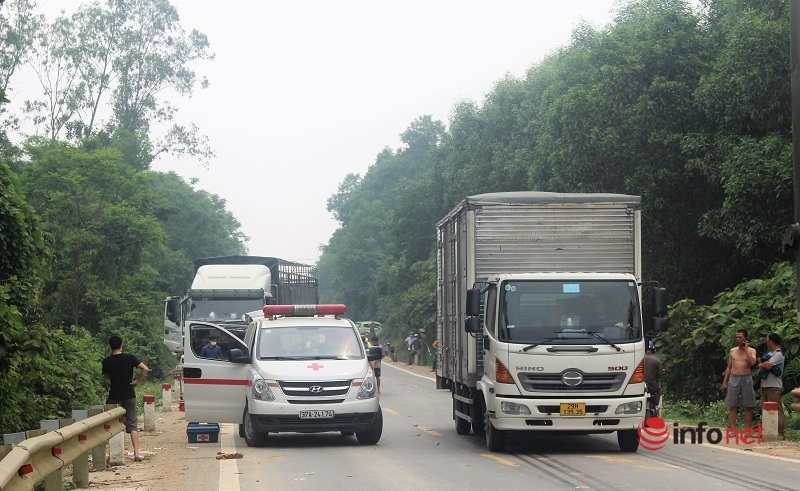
(298, 368)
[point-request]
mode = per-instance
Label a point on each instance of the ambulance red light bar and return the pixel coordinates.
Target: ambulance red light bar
(304, 310)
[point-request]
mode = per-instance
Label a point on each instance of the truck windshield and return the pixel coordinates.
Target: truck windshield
(223, 310)
(569, 312)
(314, 342)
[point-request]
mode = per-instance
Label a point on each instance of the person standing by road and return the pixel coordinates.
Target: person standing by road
(410, 342)
(376, 367)
(738, 380)
(652, 373)
(771, 365)
(118, 370)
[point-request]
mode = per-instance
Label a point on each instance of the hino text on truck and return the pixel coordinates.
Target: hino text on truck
(227, 287)
(539, 316)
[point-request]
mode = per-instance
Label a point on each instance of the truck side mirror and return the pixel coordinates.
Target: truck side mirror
(172, 310)
(660, 324)
(472, 325)
(660, 301)
(473, 302)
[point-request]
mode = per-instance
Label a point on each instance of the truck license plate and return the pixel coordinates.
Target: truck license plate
(573, 409)
(317, 414)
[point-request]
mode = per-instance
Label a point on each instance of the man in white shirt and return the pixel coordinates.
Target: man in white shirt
(771, 365)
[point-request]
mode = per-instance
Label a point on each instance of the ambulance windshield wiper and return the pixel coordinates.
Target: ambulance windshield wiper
(545, 340)
(601, 338)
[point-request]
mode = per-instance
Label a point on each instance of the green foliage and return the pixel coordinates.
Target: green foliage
(695, 348)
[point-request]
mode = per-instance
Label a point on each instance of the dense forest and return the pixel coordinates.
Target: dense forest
(688, 108)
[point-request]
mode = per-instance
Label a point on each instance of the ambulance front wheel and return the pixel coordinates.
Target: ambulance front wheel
(252, 437)
(372, 436)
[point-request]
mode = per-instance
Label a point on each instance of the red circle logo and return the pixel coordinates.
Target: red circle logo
(653, 434)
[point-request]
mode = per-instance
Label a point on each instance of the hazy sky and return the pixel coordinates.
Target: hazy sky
(304, 92)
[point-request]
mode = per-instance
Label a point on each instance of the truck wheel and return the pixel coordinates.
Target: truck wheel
(462, 425)
(628, 440)
(495, 439)
(372, 436)
(252, 437)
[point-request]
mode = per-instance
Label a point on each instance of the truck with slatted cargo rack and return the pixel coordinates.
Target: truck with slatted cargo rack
(539, 315)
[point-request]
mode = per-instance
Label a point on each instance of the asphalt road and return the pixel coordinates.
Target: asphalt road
(420, 449)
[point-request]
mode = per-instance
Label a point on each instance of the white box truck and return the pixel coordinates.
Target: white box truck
(539, 321)
(227, 287)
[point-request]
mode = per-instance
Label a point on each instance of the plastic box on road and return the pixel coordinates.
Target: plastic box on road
(203, 432)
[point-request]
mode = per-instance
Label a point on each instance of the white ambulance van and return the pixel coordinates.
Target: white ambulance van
(300, 368)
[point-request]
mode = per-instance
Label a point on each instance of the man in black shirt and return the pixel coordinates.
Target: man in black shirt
(118, 369)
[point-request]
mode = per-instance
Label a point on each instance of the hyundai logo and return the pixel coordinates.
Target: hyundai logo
(315, 389)
(572, 378)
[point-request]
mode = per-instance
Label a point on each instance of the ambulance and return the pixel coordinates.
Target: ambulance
(299, 368)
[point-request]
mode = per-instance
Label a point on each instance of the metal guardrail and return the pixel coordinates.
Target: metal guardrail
(32, 460)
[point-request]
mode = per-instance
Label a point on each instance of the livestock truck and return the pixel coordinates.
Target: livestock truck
(225, 288)
(539, 315)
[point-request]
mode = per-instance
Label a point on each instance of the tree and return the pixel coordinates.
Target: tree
(124, 55)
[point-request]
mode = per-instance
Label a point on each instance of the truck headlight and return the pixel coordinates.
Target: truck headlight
(368, 389)
(261, 391)
(629, 408)
(515, 409)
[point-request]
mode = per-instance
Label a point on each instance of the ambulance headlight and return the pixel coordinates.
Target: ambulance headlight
(261, 391)
(629, 408)
(368, 388)
(515, 409)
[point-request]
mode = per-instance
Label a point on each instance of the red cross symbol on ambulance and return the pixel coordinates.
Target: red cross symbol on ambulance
(314, 366)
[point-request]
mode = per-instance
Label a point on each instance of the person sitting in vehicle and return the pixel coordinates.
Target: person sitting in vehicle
(212, 349)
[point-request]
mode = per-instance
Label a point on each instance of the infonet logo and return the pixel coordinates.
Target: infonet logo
(654, 434)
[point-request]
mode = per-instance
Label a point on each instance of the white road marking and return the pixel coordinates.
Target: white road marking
(228, 468)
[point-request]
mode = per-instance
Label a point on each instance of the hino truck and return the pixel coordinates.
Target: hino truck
(228, 287)
(539, 315)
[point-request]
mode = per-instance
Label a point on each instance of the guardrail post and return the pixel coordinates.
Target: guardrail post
(55, 480)
(149, 413)
(80, 466)
(166, 398)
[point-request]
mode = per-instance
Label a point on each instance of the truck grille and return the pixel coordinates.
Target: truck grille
(552, 382)
(315, 389)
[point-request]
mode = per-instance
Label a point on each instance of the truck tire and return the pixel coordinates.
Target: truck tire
(495, 439)
(252, 437)
(372, 436)
(462, 425)
(628, 440)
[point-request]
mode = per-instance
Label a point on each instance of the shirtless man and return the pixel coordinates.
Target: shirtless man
(739, 380)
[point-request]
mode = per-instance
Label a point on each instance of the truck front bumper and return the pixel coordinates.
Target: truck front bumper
(601, 415)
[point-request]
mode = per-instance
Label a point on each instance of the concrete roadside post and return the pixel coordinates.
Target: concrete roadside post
(769, 421)
(55, 480)
(149, 413)
(166, 398)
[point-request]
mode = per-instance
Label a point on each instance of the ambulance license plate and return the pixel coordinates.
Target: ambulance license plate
(317, 414)
(573, 409)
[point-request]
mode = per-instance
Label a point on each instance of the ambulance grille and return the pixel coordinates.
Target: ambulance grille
(315, 389)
